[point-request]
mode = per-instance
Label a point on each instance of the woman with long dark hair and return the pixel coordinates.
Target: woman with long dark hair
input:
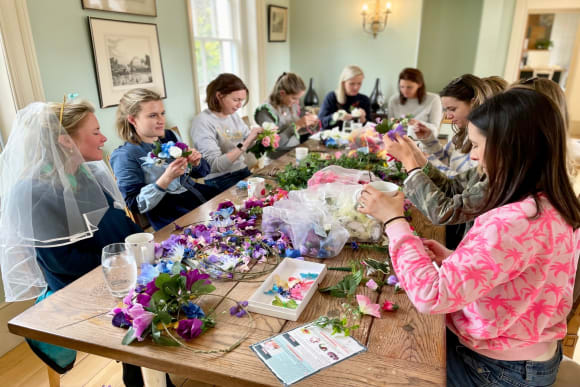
(507, 288)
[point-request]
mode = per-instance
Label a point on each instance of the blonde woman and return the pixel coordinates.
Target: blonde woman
(496, 83)
(345, 97)
(163, 192)
(283, 110)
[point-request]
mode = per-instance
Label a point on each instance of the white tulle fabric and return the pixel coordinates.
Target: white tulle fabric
(49, 197)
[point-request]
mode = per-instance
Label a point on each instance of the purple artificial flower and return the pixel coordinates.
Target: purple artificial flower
(141, 320)
(192, 310)
(226, 204)
(237, 309)
(121, 320)
(354, 245)
(150, 288)
(158, 250)
(181, 146)
(400, 130)
(190, 328)
(128, 300)
(143, 299)
(193, 276)
(392, 280)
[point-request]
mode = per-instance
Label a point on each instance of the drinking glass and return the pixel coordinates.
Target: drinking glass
(119, 268)
(347, 126)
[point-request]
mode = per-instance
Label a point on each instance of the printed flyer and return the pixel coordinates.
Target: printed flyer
(299, 353)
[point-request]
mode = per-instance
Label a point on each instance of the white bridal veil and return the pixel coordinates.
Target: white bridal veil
(48, 197)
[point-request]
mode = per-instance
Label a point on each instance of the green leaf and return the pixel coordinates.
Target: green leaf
(166, 341)
(200, 287)
(161, 279)
(129, 337)
(346, 287)
(157, 297)
(164, 317)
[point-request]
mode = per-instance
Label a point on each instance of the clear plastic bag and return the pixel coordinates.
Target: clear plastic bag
(339, 200)
(336, 174)
(312, 230)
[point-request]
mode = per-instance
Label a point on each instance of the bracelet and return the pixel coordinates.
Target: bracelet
(392, 219)
(414, 169)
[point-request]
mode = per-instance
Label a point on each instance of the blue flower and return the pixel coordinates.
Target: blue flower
(165, 266)
(148, 273)
(192, 310)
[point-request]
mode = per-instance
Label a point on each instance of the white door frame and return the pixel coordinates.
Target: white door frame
(523, 8)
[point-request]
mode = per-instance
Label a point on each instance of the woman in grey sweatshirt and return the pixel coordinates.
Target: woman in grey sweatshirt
(220, 134)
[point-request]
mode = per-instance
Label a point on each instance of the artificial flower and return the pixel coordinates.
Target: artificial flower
(366, 307)
(121, 320)
(389, 306)
(192, 276)
(371, 284)
(192, 310)
(144, 299)
(189, 328)
(141, 320)
(175, 152)
(392, 280)
(238, 309)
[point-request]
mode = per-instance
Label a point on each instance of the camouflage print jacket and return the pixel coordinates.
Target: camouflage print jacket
(446, 200)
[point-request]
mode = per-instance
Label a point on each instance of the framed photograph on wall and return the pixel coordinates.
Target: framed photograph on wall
(277, 23)
(136, 7)
(127, 56)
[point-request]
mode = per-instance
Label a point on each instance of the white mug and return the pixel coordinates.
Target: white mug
(301, 153)
(143, 247)
(383, 186)
(256, 185)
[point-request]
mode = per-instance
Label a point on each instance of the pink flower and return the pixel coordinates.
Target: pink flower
(141, 320)
(389, 306)
(266, 141)
(371, 284)
(365, 306)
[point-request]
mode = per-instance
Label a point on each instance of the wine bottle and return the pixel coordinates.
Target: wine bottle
(377, 98)
(311, 98)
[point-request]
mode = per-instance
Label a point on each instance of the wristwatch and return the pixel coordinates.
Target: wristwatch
(241, 146)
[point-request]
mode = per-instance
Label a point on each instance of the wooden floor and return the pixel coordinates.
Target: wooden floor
(22, 368)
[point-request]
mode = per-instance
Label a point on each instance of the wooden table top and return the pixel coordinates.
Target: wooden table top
(404, 348)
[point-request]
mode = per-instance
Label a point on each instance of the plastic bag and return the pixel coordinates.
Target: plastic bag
(336, 174)
(339, 200)
(311, 229)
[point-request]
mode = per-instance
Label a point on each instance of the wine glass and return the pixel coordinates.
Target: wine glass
(119, 268)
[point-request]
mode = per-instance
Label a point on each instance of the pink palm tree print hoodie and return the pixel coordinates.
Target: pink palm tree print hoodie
(507, 288)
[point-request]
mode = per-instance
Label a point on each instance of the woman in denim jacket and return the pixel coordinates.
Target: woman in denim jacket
(161, 191)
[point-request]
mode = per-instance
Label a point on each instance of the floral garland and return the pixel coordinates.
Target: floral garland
(230, 244)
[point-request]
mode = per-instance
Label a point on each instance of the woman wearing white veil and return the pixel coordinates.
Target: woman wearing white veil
(60, 206)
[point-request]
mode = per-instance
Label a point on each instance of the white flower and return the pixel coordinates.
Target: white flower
(356, 113)
(339, 115)
(175, 152)
(269, 126)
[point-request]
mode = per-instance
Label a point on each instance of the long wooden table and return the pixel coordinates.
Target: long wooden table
(404, 348)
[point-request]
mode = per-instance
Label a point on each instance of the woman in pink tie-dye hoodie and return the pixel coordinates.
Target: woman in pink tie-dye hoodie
(507, 288)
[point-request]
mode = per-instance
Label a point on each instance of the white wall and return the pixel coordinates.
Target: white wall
(563, 35)
(494, 37)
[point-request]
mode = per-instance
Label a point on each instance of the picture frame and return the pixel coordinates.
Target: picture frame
(126, 56)
(134, 7)
(277, 23)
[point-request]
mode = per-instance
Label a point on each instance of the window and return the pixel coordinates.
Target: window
(216, 34)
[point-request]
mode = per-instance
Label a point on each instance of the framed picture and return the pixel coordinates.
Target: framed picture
(136, 7)
(126, 56)
(277, 23)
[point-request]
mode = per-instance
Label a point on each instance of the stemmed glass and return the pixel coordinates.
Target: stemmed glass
(119, 268)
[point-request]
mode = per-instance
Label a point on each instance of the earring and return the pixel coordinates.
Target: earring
(70, 150)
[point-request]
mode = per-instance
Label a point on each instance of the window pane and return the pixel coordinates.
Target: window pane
(213, 59)
(213, 18)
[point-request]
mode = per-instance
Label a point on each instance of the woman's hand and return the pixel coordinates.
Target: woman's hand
(194, 158)
(436, 251)
(381, 205)
(306, 121)
(421, 130)
(254, 134)
(405, 150)
(363, 116)
(172, 172)
(347, 117)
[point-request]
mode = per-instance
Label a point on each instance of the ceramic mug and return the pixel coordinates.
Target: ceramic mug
(383, 186)
(256, 187)
(301, 153)
(142, 245)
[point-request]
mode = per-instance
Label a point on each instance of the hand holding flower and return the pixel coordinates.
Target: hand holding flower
(405, 150)
(173, 171)
(194, 158)
(421, 130)
(381, 205)
(437, 251)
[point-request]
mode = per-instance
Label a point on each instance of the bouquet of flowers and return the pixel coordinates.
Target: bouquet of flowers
(165, 300)
(267, 141)
(167, 152)
(339, 115)
(394, 126)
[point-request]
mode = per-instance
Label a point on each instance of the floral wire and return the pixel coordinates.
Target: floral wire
(224, 350)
